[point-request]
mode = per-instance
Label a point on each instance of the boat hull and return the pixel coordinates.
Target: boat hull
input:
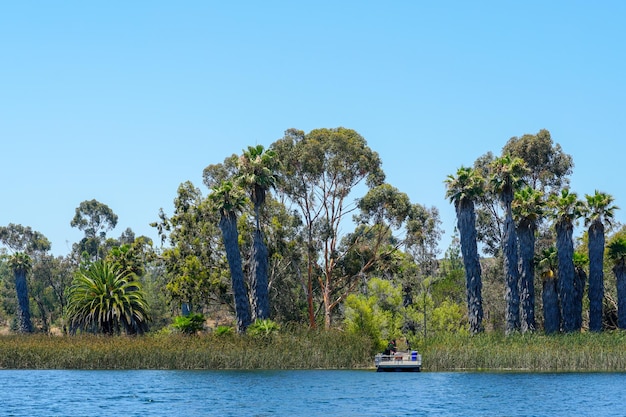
(399, 362)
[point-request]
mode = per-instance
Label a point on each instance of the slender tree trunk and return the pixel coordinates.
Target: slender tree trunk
(512, 273)
(526, 236)
(550, 300)
(230, 236)
(596, 275)
(580, 279)
(620, 275)
(466, 223)
(565, 253)
(23, 305)
(258, 274)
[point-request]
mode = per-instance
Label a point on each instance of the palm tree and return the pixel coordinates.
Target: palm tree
(567, 209)
(599, 211)
(105, 299)
(462, 190)
(21, 263)
(617, 254)
(229, 200)
(256, 173)
(506, 178)
(547, 264)
(528, 207)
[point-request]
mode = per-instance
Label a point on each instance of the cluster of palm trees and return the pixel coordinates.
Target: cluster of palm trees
(524, 208)
(255, 173)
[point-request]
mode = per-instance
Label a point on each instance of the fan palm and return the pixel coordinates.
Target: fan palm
(256, 174)
(567, 209)
(21, 263)
(599, 212)
(104, 299)
(506, 178)
(462, 190)
(228, 200)
(528, 207)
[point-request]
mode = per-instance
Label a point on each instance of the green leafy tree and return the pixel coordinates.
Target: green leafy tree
(616, 252)
(462, 190)
(566, 210)
(528, 208)
(599, 211)
(506, 179)
(257, 168)
(95, 219)
(319, 170)
(193, 260)
(228, 200)
(549, 167)
(105, 300)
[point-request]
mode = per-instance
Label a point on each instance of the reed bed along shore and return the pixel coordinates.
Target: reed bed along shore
(294, 350)
(303, 349)
(577, 352)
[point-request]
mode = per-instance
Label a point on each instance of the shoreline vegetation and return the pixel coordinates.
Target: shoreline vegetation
(303, 349)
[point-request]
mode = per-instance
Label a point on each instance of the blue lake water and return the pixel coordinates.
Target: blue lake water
(308, 393)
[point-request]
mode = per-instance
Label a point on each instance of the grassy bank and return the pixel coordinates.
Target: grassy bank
(294, 350)
(312, 350)
(538, 353)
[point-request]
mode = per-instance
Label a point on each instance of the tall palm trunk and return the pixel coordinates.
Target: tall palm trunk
(596, 275)
(23, 305)
(230, 236)
(466, 222)
(551, 316)
(580, 279)
(526, 236)
(566, 273)
(512, 273)
(258, 277)
(620, 275)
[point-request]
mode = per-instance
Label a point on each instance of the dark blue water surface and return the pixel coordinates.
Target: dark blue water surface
(309, 393)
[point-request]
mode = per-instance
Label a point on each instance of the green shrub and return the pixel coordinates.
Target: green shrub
(190, 324)
(262, 327)
(223, 331)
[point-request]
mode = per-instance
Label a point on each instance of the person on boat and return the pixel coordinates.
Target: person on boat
(391, 347)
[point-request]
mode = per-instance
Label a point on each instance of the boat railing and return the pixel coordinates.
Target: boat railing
(400, 358)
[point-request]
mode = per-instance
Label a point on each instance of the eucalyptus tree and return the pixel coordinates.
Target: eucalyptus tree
(95, 219)
(319, 171)
(549, 167)
(48, 282)
(599, 211)
(463, 190)
(506, 178)
(547, 264)
(228, 200)
(193, 258)
(617, 254)
(257, 174)
(528, 208)
(104, 299)
(387, 223)
(567, 209)
(25, 243)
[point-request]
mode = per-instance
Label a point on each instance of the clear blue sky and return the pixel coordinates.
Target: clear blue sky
(123, 101)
